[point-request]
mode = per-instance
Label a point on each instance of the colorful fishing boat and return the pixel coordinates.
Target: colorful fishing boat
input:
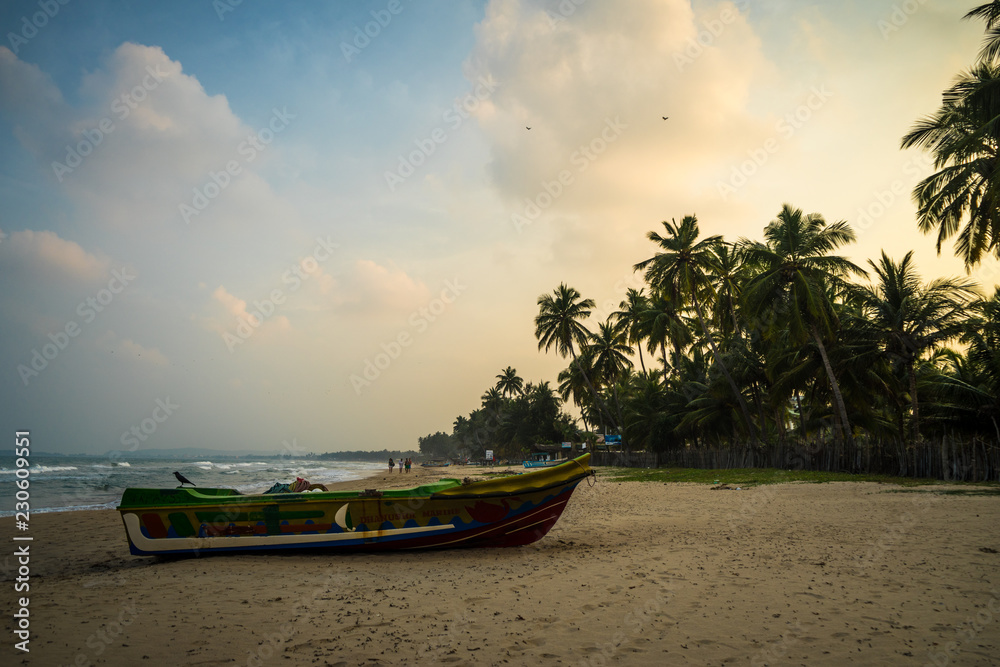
(435, 464)
(500, 512)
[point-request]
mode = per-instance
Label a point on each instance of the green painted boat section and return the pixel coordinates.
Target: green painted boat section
(135, 499)
(181, 524)
(272, 519)
(424, 490)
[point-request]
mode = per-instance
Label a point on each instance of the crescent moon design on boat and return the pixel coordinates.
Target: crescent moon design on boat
(341, 518)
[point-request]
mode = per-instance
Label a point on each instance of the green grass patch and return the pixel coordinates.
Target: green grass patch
(745, 477)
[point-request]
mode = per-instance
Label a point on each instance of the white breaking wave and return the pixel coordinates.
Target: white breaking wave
(35, 469)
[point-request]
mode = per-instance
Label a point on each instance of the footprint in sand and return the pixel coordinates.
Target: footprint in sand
(475, 599)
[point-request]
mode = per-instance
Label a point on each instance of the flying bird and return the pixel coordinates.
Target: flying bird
(526, 127)
(182, 479)
(664, 117)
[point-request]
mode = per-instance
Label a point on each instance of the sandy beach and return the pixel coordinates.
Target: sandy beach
(633, 574)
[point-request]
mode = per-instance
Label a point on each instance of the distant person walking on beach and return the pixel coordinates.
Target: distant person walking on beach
(391, 466)
(407, 464)
(400, 466)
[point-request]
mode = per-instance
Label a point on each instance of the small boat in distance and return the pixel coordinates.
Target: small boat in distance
(543, 460)
(543, 464)
(499, 512)
(436, 463)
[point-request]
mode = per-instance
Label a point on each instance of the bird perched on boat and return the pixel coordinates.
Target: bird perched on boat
(182, 479)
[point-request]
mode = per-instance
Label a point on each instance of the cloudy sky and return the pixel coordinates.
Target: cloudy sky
(235, 225)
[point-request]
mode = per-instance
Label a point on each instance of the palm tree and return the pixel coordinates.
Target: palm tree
(728, 275)
(493, 401)
(472, 433)
(460, 431)
(646, 415)
(795, 274)
(608, 351)
(968, 396)
(631, 315)
(544, 398)
(558, 324)
(982, 335)
(964, 138)
(509, 384)
(990, 12)
(663, 322)
(572, 386)
(910, 318)
(681, 269)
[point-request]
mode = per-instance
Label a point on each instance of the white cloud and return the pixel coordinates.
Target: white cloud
(34, 104)
(594, 86)
(238, 318)
(233, 305)
(143, 138)
(44, 256)
(371, 288)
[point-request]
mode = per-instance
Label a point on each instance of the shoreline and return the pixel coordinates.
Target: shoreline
(634, 573)
(419, 475)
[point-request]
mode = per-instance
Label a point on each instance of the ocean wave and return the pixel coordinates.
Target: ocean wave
(209, 465)
(303, 472)
(35, 469)
(110, 505)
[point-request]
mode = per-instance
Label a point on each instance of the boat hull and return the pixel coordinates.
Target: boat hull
(502, 512)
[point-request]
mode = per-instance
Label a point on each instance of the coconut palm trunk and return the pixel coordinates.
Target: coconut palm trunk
(598, 401)
(838, 398)
(621, 420)
(915, 426)
(802, 417)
